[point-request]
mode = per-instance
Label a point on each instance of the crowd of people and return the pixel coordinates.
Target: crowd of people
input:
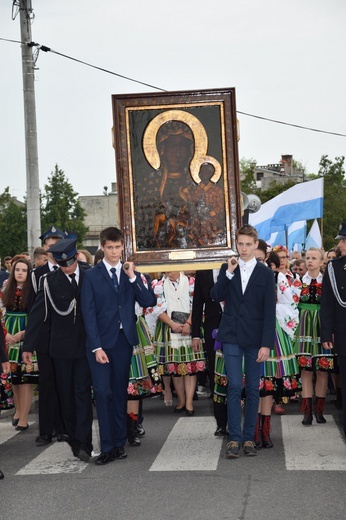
(263, 329)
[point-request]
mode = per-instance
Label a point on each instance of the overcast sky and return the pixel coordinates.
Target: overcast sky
(285, 58)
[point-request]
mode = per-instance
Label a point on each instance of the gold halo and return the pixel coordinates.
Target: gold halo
(200, 138)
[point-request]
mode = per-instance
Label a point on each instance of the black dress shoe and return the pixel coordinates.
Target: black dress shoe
(15, 422)
(62, 437)
(179, 410)
(1, 475)
(84, 455)
(221, 431)
(22, 428)
(189, 413)
(43, 440)
(105, 457)
(119, 453)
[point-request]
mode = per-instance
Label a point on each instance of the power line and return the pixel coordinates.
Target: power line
(48, 49)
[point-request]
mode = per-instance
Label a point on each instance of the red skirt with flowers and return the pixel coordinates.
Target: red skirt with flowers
(174, 353)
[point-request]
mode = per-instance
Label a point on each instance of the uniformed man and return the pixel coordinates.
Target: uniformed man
(49, 414)
(58, 305)
(333, 310)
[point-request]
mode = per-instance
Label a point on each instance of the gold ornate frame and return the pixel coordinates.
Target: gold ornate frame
(177, 220)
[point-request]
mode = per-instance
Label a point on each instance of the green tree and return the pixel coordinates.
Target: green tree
(12, 225)
(274, 190)
(60, 206)
(334, 206)
(247, 174)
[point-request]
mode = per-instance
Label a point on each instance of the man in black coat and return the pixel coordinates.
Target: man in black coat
(58, 304)
(49, 413)
(206, 316)
(333, 310)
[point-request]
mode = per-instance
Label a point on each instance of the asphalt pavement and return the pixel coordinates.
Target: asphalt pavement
(179, 472)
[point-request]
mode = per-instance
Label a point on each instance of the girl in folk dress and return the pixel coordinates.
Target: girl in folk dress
(22, 375)
(280, 373)
(308, 348)
(173, 340)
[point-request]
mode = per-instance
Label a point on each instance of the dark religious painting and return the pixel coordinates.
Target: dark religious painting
(177, 175)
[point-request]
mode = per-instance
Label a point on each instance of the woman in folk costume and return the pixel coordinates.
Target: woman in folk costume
(311, 355)
(293, 280)
(280, 373)
(144, 380)
(173, 341)
(23, 375)
(6, 393)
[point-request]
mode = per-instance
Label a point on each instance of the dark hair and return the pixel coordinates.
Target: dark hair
(9, 294)
(273, 258)
(99, 255)
(247, 230)
(39, 251)
(111, 233)
(262, 245)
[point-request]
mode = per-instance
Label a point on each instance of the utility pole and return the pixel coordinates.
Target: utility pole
(31, 149)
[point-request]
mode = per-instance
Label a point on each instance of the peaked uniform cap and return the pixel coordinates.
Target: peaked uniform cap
(52, 232)
(64, 251)
(342, 231)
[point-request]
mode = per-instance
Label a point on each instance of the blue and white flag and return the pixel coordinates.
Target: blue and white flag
(296, 234)
(314, 238)
(303, 201)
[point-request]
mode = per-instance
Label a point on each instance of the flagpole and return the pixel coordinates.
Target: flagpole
(322, 231)
(286, 236)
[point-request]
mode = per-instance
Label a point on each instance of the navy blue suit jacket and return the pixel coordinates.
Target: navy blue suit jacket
(104, 309)
(248, 319)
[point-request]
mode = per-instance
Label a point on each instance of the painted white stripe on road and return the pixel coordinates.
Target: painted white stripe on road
(191, 446)
(7, 431)
(319, 447)
(57, 458)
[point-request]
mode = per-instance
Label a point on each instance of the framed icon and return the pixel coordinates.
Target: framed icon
(177, 177)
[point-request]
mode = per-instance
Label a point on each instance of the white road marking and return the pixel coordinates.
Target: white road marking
(191, 446)
(57, 458)
(7, 431)
(319, 447)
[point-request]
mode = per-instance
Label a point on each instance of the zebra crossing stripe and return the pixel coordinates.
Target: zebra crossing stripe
(7, 431)
(191, 446)
(58, 458)
(319, 447)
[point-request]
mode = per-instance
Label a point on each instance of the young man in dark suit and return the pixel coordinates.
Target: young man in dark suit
(58, 305)
(109, 293)
(247, 331)
(333, 310)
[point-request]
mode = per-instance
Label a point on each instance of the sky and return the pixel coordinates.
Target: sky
(286, 60)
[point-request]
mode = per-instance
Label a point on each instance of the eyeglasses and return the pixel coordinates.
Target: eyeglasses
(283, 257)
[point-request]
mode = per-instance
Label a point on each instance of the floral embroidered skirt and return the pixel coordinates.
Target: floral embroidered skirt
(144, 379)
(6, 393)
(280, 373)
(21, 373)
(220, 379)
(175, 354)
(307, 346)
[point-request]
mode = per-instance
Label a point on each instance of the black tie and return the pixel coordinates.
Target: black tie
(115, 278)
(73, 281)
(55, 267)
